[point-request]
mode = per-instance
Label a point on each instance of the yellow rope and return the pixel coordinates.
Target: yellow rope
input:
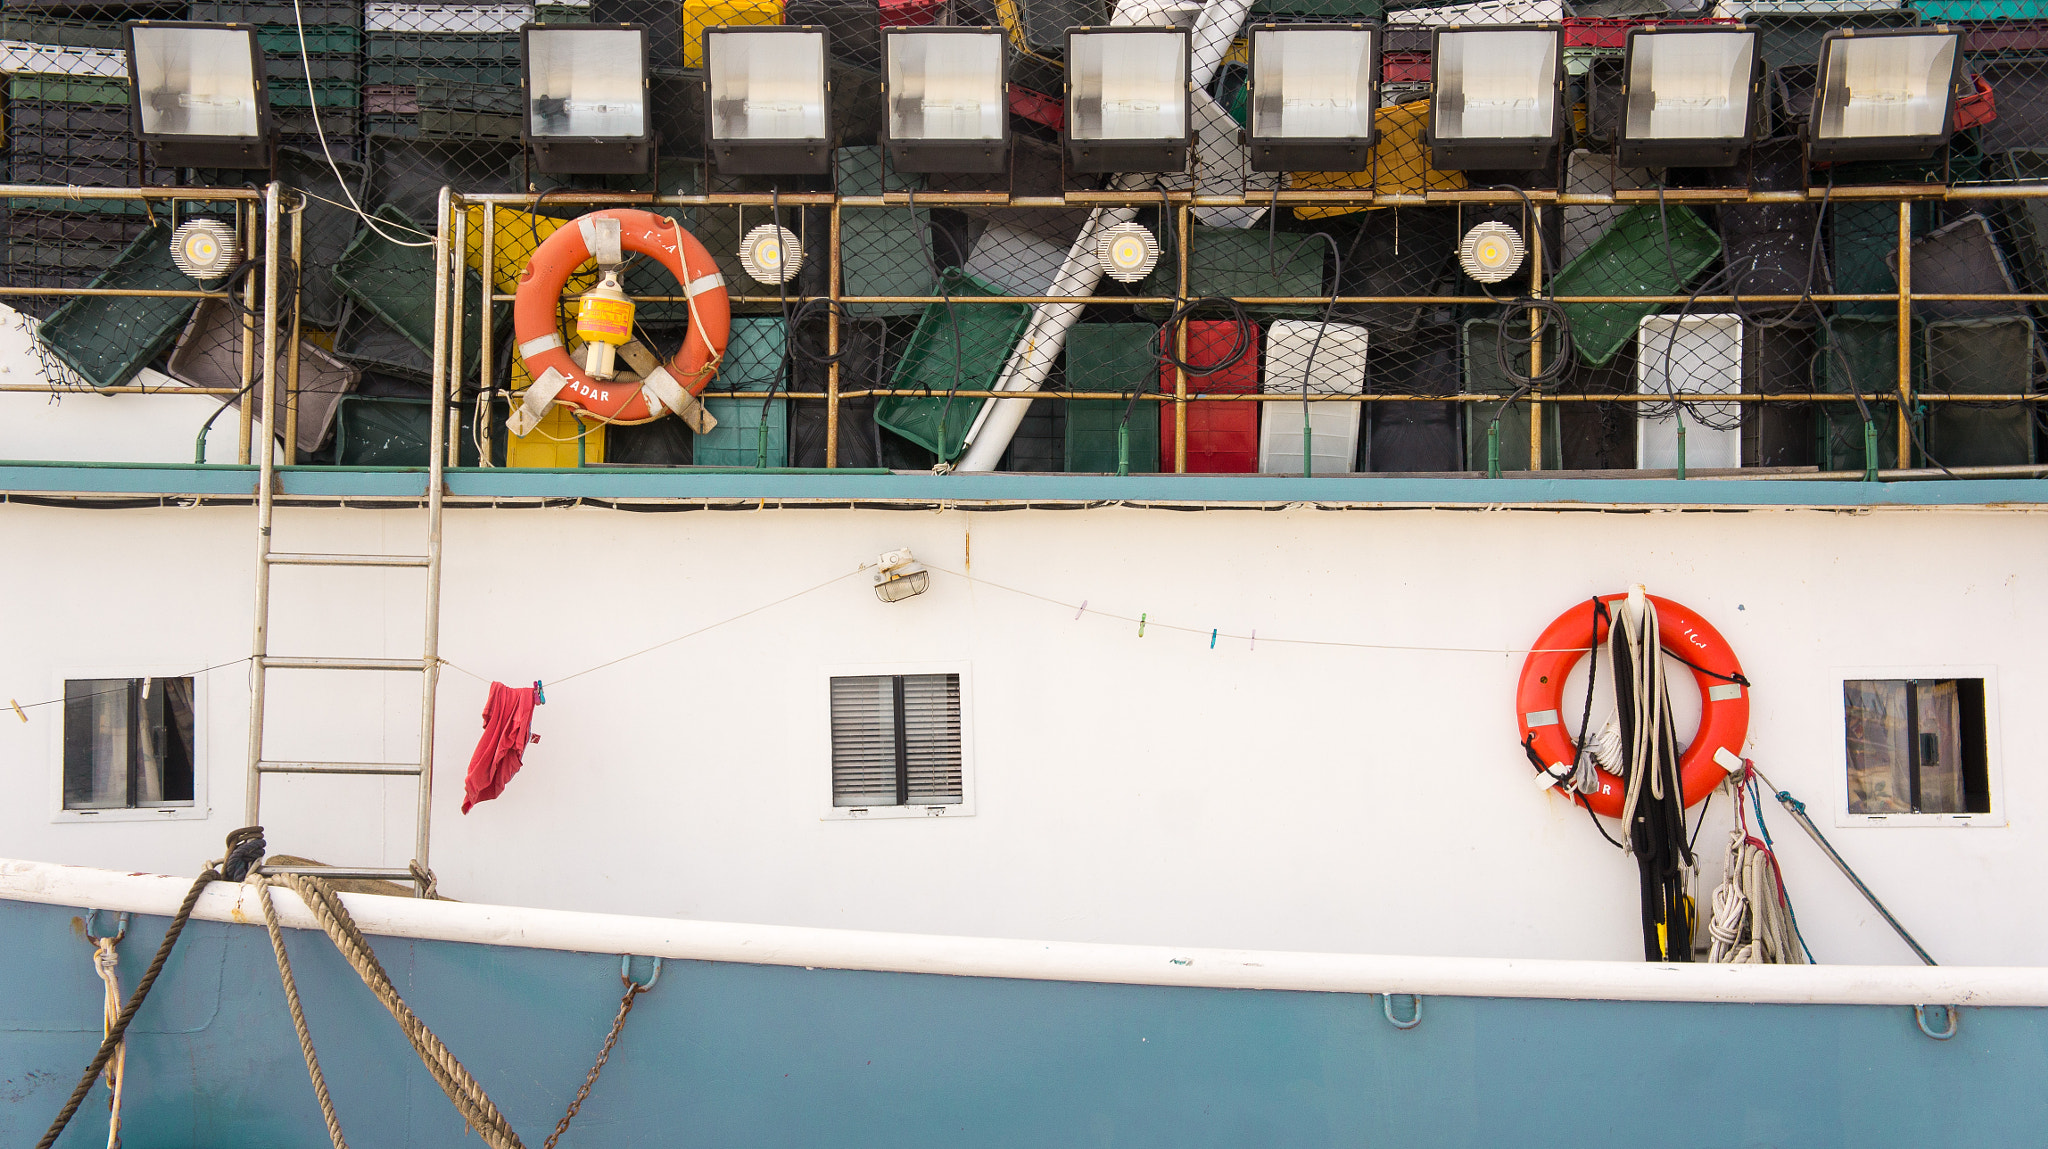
(107, 963)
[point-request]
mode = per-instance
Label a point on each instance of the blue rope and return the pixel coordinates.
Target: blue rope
(1756, 799)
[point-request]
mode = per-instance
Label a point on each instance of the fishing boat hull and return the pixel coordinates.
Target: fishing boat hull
(776, 1036)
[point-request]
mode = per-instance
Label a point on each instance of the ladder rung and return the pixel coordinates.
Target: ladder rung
(337, 768)
(372, 873)
(271, 662)
(287, 558)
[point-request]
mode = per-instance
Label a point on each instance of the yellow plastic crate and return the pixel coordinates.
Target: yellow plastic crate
(701, 14)
(519, 235)
(555, 442)
(1401, 160)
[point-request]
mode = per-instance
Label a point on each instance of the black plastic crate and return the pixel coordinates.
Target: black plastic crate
(53, 117)
(65, 228)
(258, 12)
(1414, 436)
(855, 27)
(66, 147)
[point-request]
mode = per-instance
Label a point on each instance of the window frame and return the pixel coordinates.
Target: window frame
(822, 722)
(198, 810)
(1994, 772)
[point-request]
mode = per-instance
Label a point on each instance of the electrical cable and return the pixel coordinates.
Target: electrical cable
(320, 130)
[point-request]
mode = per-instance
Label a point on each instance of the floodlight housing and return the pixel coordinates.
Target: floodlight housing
(196, 94)
(1129, 107)
(585, 94)
(1886, 95)
(1689, 96)
(1314, 91)
(1499, 96)
(768, 93)
(946, 97)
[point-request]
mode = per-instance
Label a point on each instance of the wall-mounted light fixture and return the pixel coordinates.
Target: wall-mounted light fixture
(1688, 96)
(197, 94)
(1498, 101)
(586, 98)
(1884, 95)
(1314, 89)
(768, 97)
(898, 575)
(946, 99)
(1128, 102)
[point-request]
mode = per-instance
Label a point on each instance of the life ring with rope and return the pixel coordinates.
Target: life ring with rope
(1714, 753)
(607, 236)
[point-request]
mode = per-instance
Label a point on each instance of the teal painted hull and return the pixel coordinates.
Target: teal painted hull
(723, 1054)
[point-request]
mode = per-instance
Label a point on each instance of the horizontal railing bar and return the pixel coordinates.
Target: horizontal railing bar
(1886, 397)
(89, 389)
(129, 292)
(70, 191)
(1298, 197)
(391, 768)
(273, 662)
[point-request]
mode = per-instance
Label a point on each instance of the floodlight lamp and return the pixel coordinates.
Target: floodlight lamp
(1498, 101)
(1314, 89)
(586, 99)
(1128, 102)
(204, 248)
(1127, 252)
(946, 97)
(1491, 252)
(1884, 95)
(898, 575)
(1687, 96)
(767, 99)
(198, 95)
(772, 254)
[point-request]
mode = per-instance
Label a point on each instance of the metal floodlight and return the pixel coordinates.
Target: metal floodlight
(586, 98)
(1499, 96)
(197, 94)
(1314, 89)
(946, 92)
(205, 248)
(1688, 96)
(768, 99)
(1128, 103)
(1884, 95)
(1491, 252)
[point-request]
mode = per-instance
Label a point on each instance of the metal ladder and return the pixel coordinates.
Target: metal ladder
(427, 665)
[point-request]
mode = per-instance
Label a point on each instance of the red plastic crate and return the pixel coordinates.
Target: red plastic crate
(1404, 67)
(1978, 108)
(1223, 438)
(1612, 32)
(1037, 107)
(910, 13)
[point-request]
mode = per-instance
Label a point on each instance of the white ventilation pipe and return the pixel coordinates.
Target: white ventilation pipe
(1046, 335)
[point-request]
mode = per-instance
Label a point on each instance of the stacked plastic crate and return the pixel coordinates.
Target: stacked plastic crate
(320, 67)
(444, 71)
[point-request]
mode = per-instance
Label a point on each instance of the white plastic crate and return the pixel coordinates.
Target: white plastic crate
(1705, 357)
(1336, 368)
(49, 60)
(1017, 260)
(1487, 12)
(1741, 8)
(475, 18)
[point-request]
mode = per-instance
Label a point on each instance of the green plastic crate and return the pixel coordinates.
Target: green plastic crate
(1941, 11)
(1860, 354)
(1119, 358)
(68, 89)
(1631, 259)
(958, 347)
(108, 338)
(753, 359)
(38, 28)
(397, 283)
(450, 109)
(736, 441)
(1232, 262)
(1864, 236)
(321, 39)
(881, 249)
(1983, 357)
(375, 431)
(1480, 340)
(333, 94)
(1794, 38)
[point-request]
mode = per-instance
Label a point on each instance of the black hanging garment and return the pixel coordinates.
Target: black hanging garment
(1655, 798)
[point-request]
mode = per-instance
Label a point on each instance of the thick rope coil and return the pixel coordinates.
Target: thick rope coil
(291, 1000)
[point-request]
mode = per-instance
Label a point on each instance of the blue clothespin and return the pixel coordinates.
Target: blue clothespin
(540, 697)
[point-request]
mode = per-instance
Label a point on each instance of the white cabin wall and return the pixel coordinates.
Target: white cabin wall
(1126, 789)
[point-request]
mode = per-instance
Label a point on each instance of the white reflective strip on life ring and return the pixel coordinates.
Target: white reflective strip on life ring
(601, 239)
(663, 392)
(1541, 718)
(1558, 772)
(702, 284)
(538, 399)
(533, 347)
(1724, 692)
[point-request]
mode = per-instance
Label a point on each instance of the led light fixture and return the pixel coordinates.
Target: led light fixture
(1314, 89)
(898, 575)
(586, 98)
(197, 93)
(204, 249)
(1127, 251)
(768, 100)
(946, 96)
(1491, 252)
(1688, 96)
(1884, 95)
(772, 254)
(1128, 107)
(1498, 101)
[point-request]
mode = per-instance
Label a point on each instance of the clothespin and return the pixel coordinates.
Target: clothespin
(1081, 610)
(1141, 625)
(17, 710)
(540, 697)
(1212, 637)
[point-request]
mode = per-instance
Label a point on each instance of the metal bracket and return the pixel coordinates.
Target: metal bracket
(1920, 1019)
(120, 927)
(626, 974)
(1387, 1006)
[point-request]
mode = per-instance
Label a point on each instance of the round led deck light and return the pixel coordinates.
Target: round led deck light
(204, 249)
(772, 254)
(1491, 252)
(1127, 251)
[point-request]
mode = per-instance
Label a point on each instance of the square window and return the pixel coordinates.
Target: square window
(129, 743)
(896, 741)
(1916, 746)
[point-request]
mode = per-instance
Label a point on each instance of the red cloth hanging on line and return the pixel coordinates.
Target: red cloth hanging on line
(508, 729)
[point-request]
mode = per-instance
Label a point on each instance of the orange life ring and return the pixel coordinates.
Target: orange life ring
(537, 304)
(1724, 697)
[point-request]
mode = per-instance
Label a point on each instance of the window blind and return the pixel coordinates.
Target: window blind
(896, 740)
